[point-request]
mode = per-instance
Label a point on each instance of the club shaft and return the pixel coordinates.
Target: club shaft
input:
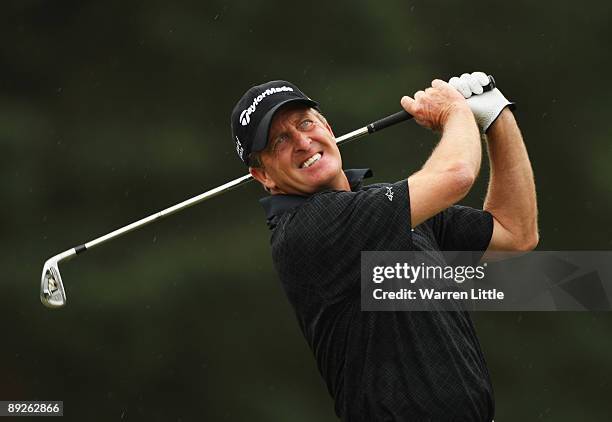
(168, 211)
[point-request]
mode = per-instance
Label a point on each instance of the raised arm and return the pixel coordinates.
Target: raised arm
(511, 196)
(450, 171)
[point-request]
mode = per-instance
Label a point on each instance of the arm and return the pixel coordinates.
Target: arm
(450, 171)
(511, 196)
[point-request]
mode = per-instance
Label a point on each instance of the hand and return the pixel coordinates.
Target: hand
(433, 107)
(486, 106)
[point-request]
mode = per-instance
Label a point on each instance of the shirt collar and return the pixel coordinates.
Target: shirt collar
(275, 205)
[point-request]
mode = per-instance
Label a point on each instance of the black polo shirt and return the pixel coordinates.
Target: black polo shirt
(379, 366)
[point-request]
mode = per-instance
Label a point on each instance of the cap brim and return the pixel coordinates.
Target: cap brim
(261, 135)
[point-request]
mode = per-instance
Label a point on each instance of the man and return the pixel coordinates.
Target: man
(387, 366)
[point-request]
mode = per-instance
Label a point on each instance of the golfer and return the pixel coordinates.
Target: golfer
(387, 366)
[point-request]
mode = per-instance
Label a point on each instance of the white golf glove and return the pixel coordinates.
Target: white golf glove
(486, 106)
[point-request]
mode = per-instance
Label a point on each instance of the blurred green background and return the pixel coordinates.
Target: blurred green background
(112, 110)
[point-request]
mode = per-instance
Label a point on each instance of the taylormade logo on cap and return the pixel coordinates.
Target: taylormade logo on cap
(245, 116)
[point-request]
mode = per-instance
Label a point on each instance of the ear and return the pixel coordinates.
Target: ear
(262, 177)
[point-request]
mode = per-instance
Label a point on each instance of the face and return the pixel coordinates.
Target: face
(301, 156)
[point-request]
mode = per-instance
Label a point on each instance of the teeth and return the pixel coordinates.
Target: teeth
(311, 161)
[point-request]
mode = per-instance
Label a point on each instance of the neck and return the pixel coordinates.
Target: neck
(343, 183)
(340, 183)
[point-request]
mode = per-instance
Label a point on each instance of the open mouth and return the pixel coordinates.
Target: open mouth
(312, 160)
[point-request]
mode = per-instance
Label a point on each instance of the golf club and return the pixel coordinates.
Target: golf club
(52, 293)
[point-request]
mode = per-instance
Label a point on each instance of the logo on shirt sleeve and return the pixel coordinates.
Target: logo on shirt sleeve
(389, 193)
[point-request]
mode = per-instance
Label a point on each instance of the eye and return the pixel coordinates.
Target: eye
(278, 142)
(305, 124)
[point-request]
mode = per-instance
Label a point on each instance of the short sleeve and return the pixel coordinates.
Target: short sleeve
(460, 228)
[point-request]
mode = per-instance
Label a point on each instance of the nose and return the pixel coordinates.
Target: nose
(301, 141)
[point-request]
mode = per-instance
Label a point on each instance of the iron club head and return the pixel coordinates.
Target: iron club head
(52, 293)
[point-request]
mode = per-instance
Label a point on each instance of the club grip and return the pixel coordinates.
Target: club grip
(403, 115)
(391, 120)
